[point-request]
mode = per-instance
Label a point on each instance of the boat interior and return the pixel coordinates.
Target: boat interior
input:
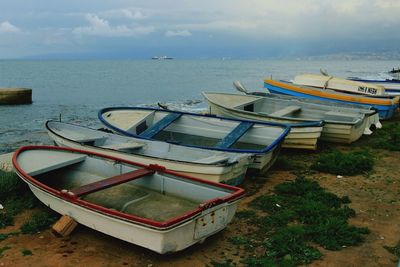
(193, 130)
(296, 110)
(137, 191)
(87, 136)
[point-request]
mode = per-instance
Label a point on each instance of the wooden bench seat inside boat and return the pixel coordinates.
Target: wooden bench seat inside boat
(232, 137)
(109, 182)
(247, 103)
(124, 146)
(56, 161)
(160, 125)
(342, 114)
(213, 159)
(285, 111)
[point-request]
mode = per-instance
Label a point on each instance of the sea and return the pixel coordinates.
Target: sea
(74, 90)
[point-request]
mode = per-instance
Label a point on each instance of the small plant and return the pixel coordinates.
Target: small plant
(6, 219)
(38, 222)
(286, 164)
(395, 250)
(387, 138)
(246, 214)
(239, 240)
(5, 236)
(351, 163)
(10, 186)
(289, 244)
(26, 252)
(4, 249)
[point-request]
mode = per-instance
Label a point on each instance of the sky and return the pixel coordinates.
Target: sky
(196, 29)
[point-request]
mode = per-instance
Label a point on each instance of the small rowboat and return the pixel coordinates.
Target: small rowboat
(369, 111)
(392, 86)
(145, 205)
(201, 131)
(339, 84)
(340, 126)
(206, 164)
(386, 106)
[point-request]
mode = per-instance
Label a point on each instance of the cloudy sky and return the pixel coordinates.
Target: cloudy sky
(196, 29)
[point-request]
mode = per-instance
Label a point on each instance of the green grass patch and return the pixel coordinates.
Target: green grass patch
(2, 249)
(350, 163)
(5, 236)
(38, 222)
(301, 214)
(14, 196)
(26, 252)
(239, 240)
(11, 186)
(395, 250)
(246, 214)
(386, 138)
(287, 164)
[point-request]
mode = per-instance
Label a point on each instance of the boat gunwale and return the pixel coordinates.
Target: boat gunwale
(374, 80)
(224, 164)
(294, 124)
(273, 145)
(237, 193)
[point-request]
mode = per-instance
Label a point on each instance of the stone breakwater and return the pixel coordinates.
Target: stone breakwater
(15, 96)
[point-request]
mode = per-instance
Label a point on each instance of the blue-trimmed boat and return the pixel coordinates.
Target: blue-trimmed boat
(386, 105)
(261, 139)
(392, 86)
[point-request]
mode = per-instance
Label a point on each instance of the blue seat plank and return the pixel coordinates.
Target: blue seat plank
(160, 125)
(234, 135)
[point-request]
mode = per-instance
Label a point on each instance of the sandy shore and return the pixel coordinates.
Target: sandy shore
(375, 198)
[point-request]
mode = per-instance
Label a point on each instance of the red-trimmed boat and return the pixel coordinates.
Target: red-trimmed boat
(146, 205)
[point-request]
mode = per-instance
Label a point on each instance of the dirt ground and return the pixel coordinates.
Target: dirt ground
(375, 198)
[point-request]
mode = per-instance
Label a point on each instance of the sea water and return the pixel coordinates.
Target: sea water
(74, 90)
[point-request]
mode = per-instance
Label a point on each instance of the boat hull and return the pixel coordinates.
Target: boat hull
(392, 87)
(166, 241)
(233, 174)
(76, 183)
(299, 137)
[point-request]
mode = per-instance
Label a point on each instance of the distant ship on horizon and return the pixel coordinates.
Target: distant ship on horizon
(161, 58)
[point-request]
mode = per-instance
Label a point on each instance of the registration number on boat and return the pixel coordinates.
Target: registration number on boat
(369, 90)
(210, 223)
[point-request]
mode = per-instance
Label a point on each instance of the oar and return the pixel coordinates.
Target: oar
(324, 72)
(163, 106)
(240, 87)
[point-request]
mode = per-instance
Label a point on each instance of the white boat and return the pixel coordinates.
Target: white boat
(206, 164)
(144, 205)
(334, 83)
(369, 111)
(202, 131)
(340, 126)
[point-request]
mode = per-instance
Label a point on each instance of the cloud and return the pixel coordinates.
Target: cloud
(130, 13)
(101, 27)
(6, 26)
(181, 33)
